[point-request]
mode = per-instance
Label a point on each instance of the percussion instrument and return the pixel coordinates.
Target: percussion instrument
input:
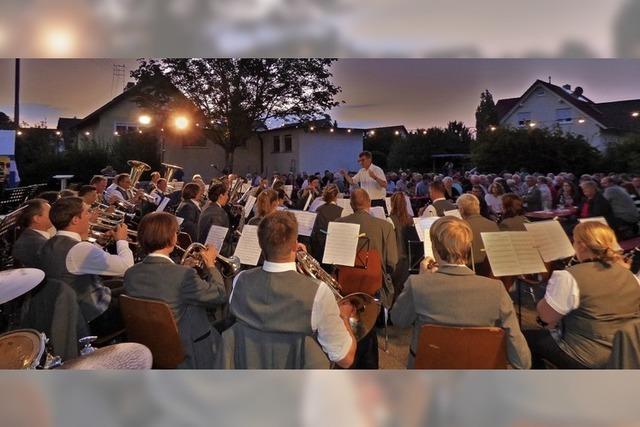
(17, 282)
(26, 349)
(117, 356)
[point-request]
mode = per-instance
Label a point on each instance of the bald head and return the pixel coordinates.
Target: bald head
(360, 200)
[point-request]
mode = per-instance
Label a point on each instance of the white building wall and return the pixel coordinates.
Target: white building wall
(543, 113)
(324, 150)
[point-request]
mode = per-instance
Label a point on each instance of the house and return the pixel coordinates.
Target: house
(398, 130)
(550, 106)
(298, 147)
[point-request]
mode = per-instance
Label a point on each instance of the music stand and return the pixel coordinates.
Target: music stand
(13, 198)
(416, 255)
(7, 238)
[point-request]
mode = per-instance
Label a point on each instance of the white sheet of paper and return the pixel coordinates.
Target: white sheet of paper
(251, 200)
(428, 246)
(387, 202)
(453, 212)
(245, 187)
(177, 185)
(163, 204)
(180, 220)
(216, 236)
(512, 253)
(550, 239)
(305, 221)
(345, 204)
(288, 190)
(316, 204)
(595, 218)
(377, 211)
(342, 244)
(248, 248)
(424, 223)
(306, 204)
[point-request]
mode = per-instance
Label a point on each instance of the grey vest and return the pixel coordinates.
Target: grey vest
(443, 205)
(609, 297)
(93, 297)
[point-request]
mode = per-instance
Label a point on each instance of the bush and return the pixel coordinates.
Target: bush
(624, 156)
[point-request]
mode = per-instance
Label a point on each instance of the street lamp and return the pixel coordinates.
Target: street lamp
(181, 122)
(635, 114)
(144, 119)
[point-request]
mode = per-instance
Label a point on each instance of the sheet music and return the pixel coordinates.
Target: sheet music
(342, 244)
(288, 189)
(550, 239)
(305, 221)
(424, 223)
(595, 218)
(180, 220)
(512, 253)
(177, 185)
(251, 200)
(245, 187)
(387, 203)
(216, 236)
(246, 194)
(453, 212)
(377, 211)
(345, 204)
(248, 248)
(316, 204)
(306, 205)
(163, 204)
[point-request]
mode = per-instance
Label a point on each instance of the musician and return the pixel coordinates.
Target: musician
(585, 304)
(100, 182)
(188, 296)
(153, 183)
(160, 191)
(35, 225)
(381, 238)
(276, 299)
(312, 189)
(189, 209)
(513, 218)
(326, 213)
(453, 295)
(88, 194)
(69, 258)
(439, 203)
(469, 207)
(49, 196)
(371, 178)
(122, 189)
(215, 214)
(402, 224)
(266, 203)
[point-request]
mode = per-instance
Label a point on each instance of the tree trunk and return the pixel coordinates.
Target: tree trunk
(228, 160)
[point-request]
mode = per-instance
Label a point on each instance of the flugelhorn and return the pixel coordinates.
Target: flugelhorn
(367, 308)
(231, 264)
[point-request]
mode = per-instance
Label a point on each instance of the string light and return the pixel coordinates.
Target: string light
(87, 133)
(348, 130)
(581, 121)
(635, 114)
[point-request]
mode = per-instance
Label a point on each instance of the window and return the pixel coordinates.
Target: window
(287, 144)
(540, 92)
(524, 119)
(563, 115)
(125, 128)
(276, 144)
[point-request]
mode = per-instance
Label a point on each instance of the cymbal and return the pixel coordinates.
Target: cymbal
(17, 282)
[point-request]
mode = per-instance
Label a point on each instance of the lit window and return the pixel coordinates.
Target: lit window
(524, 118)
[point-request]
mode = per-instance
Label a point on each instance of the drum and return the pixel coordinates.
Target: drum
(117, 356)
(23, 349)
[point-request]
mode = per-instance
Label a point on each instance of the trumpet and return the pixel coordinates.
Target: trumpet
(231, 264)
(99, 233)
(367, 308)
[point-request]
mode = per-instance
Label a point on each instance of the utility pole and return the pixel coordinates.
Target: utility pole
(16, 101)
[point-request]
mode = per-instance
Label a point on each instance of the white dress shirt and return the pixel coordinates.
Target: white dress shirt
(370, 185)
(431, 210)
(333, 336)
(44, 234)
(87, 258)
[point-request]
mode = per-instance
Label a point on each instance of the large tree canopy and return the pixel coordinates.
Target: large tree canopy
(238, 96)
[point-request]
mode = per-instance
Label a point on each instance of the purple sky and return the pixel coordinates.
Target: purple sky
(378, 92)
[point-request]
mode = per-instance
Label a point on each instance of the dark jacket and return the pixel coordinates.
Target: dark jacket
(325, 214)
(191, 214)
(215, 215)
(598, 206)
(26, 248)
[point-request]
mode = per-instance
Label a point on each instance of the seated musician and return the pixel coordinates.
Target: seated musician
(100, 182)
(188, 296)
(215, 214)
(35, 225)
(266, 203)
(69, 258)
(453, 295)
(159, 191)
(513, 218)
(439, 203)
(469, 207)
(326, 213)
(189, 210)
(275, 298)
(88, 194)
(313, 190)
(122, 189)
(585, 304)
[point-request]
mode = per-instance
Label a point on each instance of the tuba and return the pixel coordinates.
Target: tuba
(137, 169)
(231, 265)
(367, 308)
(170, 171)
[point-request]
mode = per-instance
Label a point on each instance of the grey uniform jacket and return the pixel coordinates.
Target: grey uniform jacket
(188, 296)
(214, 215)
(480, 224)
(26, 248)
(455, 296)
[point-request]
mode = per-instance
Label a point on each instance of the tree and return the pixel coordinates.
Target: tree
(237, 96)
(624, 156)
(5, 121)
(486, 113)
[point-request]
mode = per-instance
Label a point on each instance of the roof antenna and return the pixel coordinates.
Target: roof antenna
(549, 79)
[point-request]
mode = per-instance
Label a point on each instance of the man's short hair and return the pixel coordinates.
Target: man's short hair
(190, 191)
(86, 189)
(49, 196)
(216, 190)
(359, 199)
(64, 210)
(468, 204)
(157, 231)
(121, 177)
(451, 238)
(277, 233)
(437, 186)
(96, 179)
(366, 154)
(32, 208)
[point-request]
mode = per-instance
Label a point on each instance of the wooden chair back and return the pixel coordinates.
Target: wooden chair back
(365, 276)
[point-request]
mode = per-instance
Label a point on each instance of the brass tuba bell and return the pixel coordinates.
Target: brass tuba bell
(137, 169)
(170, 171)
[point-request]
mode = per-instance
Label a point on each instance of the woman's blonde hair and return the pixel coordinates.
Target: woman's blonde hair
(600, 239)
(330, 193)
(266, 202)
(451, 238)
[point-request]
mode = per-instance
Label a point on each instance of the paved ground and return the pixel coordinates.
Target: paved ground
(399, 339)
